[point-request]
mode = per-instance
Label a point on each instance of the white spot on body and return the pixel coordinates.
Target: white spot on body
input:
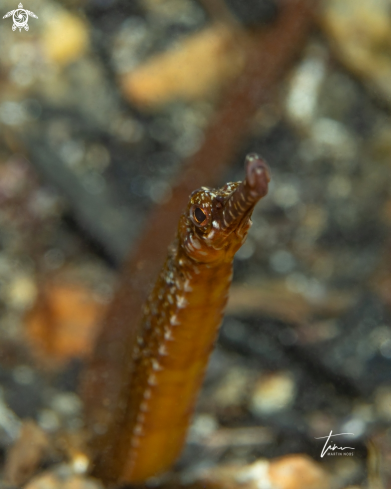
(187, 287)
(144, 407)
(162, 351)
(216, 225)
(178, 284)
(195, 242)
(152, 380)
(156, 365)
(181, 301)
(168, 335)
(174, 320)
(140, 417)
(147, 394)
(190, 246)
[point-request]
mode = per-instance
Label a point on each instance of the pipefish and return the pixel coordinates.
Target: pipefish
(180, 321)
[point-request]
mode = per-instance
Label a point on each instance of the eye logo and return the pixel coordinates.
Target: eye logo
(20, 17)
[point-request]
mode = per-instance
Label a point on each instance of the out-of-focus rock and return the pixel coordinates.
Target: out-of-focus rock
(289, 472)
(272, 393)
(62, 477)
(361, 35)
(233, 389)
(65, 38)
(297, 472)
(72, 445)
(25, 455)
(304, 87)
(379, 459)
(383, 394)
(285, 300)
(9, 423)
(63, 321)
(200, 66)
(22, 291)
(239, 437)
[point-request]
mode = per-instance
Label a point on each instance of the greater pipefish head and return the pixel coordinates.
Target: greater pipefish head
(216, 221)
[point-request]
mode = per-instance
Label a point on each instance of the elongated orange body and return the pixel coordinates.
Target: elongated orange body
(179, 327)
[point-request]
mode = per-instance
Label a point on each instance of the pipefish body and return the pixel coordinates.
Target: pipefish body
(179, 326)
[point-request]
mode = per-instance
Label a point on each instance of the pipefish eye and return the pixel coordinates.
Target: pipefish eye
(199, 216)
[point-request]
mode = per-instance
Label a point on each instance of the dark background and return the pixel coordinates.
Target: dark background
(103, 103)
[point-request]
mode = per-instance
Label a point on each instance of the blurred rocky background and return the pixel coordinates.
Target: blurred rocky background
(103, 103)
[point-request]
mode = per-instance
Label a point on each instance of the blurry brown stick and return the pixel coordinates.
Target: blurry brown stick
(275, 300)
(269, 54)
(218, 11)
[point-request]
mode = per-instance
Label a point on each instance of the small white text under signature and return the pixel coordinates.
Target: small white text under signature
(330, 446)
